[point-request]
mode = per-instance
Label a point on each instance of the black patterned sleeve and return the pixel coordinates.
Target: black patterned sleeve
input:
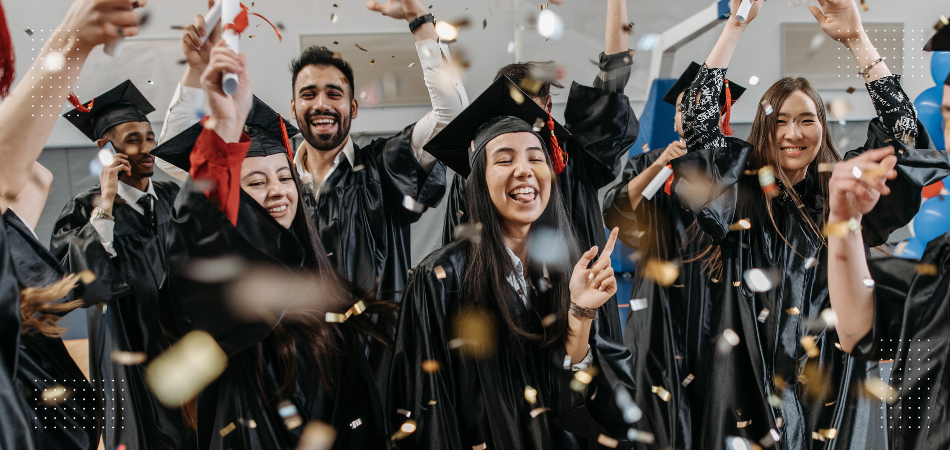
(701, 110)
(894, 107)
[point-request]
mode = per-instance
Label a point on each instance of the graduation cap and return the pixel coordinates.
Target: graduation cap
(502, 108)
(123, 103)
(269, 132)
(732, 92)
(940, 42)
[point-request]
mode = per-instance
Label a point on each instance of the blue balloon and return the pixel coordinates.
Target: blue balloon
(940, 67)
(910, 248)
(928, 111)
(933, 219)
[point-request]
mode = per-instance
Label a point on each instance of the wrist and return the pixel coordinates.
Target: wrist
(415, 10)
(105, 205)
(861, 41)
(227, 131)
(68, 44)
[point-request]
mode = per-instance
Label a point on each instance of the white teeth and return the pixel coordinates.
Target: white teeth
(323, 121)
(524, 190)
(277, 209)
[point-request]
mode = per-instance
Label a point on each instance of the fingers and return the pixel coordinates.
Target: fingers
(888, 164)
(374, 6)
(200, 24)
(602, 278)
(817, 13)
(878, 154)
(611, 242)
(586, 258)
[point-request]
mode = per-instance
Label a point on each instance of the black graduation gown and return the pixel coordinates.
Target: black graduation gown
(129, 322)
(603, 127)
(361, 216)
(14, 426)
(203, 231)
(668, 336)
(44, 361)
(912, 327)
(711, 184)
(467, 402)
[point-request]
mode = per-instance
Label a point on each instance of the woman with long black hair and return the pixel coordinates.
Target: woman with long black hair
(496, 346)
(289, 363)
(777, 373)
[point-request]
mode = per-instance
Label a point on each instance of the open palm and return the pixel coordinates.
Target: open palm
(839, 19)
(398, 9)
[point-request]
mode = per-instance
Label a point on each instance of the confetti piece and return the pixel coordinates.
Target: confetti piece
(412, 64)
(318, 436)
(808, 343)
(439, 272)
(740, 225)
(926, 269)
(868, 282)
(548, 320)
(640, 436)
(753, 80)
(942, 22)
(631, 412)
(356, 423)
(288, 411)
(607, 441)
(648, 42)
(817, 437)
(28, 31)
(412, 205)
(336, 43)
(446, 31)
(178, 374)
(430, 366)
(661, 392)
(662, 272)
(689, 379)
(764, 314)
(484, 23)
(404, 412)
(775, 401)
(55, 395)
(826, 167)
(516, 95)
(779, 422)
(334, 18)
(757, 280)
(226, 430)
(87, 277)
(372, 61)
(537, 412)
(335, 317)
(793, 311)
(767, 108)
(738, 443)
(880, 389)
(361, 48)
(829, 317)
(767, 182)
(850, 90)
(638, 304)
(628, 27)
(531, 394)
(743, 424)
(839, 108)
(432, 402)
(751, 172)
(539, 124)
(582, 378)
(475, 332)
(471, 232)
(829, 433)
(404, 430)
(128, 358)
(864, 5)
(645, 147)
(771, 438)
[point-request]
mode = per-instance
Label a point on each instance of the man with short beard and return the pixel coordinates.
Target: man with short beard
(117, 231)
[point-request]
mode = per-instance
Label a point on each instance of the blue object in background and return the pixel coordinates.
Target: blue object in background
(940, 67)
(933, 219)
(928, 111)
(624, 288)
(910, 248)
(656, 122)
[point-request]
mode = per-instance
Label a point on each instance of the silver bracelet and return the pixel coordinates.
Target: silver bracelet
(864, 73)
(102, 214)
(581, 311)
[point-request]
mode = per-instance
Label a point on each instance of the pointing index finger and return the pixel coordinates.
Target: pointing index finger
(611, 242)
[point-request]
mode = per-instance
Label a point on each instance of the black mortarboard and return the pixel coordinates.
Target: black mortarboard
(263, 126)
(686, 79)
(123, 103)
(502, 108)
(940, 42)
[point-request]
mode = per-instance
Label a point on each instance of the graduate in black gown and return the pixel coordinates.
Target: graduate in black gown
(777, 374)
(667, 327)
(72, 419)
(603, 126)
(248, 206)
(491, 334)
(902, 313)
(117, 230)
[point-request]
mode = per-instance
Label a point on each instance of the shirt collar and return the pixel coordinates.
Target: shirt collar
(132, 195)
(349, 152)
(516, 278)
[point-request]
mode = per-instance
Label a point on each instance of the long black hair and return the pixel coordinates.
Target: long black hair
(485, 283)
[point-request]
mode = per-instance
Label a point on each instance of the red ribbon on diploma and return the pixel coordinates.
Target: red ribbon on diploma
(240, 22)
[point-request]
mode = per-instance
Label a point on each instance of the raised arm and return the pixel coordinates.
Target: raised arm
(617, 39)
(446, 92)
(26, 124)
(31, 200)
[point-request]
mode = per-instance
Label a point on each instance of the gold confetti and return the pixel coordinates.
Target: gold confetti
(850, 90)
(607, 441)
(334, 18)
(531, 394)
(743, 224)
(808, 343)
(743, 424)
(793, 311)
(767, 182)
(405, 430)
(516, 95)
(881, 390)
(55, 395)
(537, 412)
(751, 172)
(826, 167)
(942, 22)
(226, 430)
(661, 392)
(645, 147)
(178, 374)
(128, 358)
(838, 346)
(335, 317)
(815, 435)
(475, 333)
(864, 5)
(582, 378)
(530, 85)
(372, 61)
(430, 366)
(662, 272)
(87, 277)
(829, 433)
(361, 48)
(317, 436)
(926, 269)
(432, 402)
(628, 27)
(548, 320)
(689, 379)
(439, 272)
(775, 401)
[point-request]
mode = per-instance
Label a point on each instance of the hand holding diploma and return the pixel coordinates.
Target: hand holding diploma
(232, 38)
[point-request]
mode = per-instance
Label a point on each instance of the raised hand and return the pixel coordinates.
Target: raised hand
(592, 287)
(857, 184)
(93, 22)
(109, 181)
(228, 112)
(839, 19)
(671, 152)
(399, 9)
(197, 54)
(756, 6)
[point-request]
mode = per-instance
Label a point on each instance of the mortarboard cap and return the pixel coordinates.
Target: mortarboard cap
(940, 42)
(266, 128)
(686, 79)
(123, 103)
(502, 108)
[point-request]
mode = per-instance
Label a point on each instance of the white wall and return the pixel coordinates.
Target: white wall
(759, 52)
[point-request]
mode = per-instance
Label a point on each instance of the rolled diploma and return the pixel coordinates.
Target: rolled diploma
(114, 47)
(212, 17)
(657, 183)
(230, 10)
(743, 11)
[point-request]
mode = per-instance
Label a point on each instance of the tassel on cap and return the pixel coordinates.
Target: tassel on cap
(726, 112)
(558, 156)
(7, 63)
(74, 100)
(284, 138)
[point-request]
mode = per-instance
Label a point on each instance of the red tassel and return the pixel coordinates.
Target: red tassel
(78, 105)
(284, 138)
(7, 63)
(668, 186)
(727, 110)
(240, 23)
(558, 156)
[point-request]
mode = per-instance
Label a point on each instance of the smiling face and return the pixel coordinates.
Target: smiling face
(945, 111)
(269, 180)
(678, 118)
(323, 106)
(518, 178)
(137, 140)
(798, 135)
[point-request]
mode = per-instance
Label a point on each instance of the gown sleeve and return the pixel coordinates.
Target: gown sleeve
(403, 177)
(614, 72)
(635, 224)
(917, 165)
(456, 209)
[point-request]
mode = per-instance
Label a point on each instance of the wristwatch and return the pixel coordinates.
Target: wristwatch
(581, 311)
(418, 21)
(102, 214)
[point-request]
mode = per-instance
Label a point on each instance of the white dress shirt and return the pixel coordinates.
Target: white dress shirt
(105, 228)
